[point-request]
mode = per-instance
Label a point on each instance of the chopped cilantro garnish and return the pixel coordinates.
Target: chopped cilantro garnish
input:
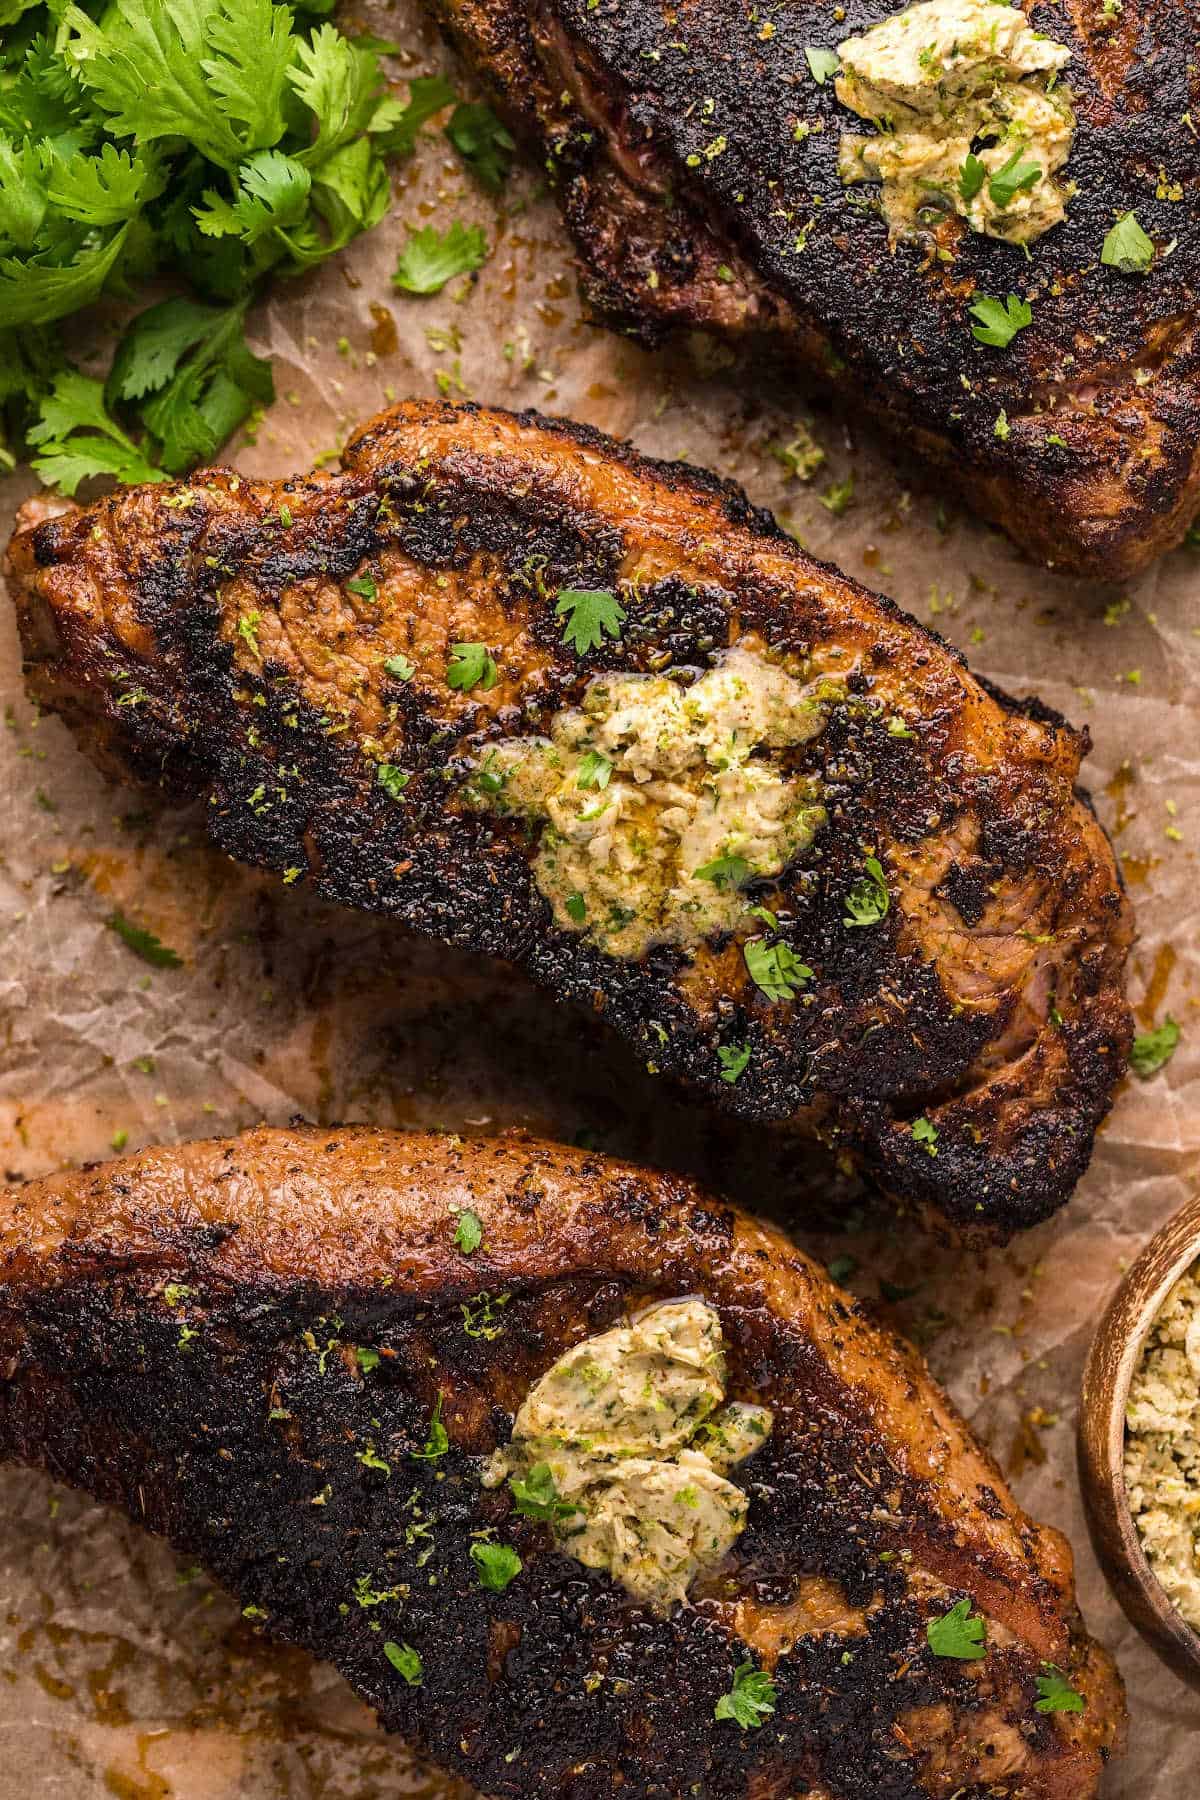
(392, 780)
(366, 1357)
(723, 871)
(497, 1565)
(958, 1633)
(1008, 181)
(924, 1131)
(431, 258)
(468, 1233)
(775, 969)
(364, 586)
(1153, 1049)
(821, 63)
(470, 666)
(595, 770)
(734, 1059)
(999, 322)
(837, 499)
(400, 667)
(480, 1315)
(537, 1496)
(971, 177)
(868, 901)
(576, 908)
(437, 1440)
(144, 943)
(588, 615)
(1127, 247)
(406, 1662)
(750, 1700)
(1055, 1693)
(371, 1459)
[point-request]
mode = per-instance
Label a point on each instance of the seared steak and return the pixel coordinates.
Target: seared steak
(696, 160)
(290, 1354)
(515, 687)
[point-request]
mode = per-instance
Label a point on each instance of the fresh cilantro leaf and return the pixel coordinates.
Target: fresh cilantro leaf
(483, 143)
(76, 437)
(33, 292)
(392, 780)
(104, 189)
(958, 1633)
(250, 47)
(469, 1232)
(406, 1662)
(750, 1700)
(595, 770)
(588, 615)
(733, 1059)
(143, 65)
(724, 872)
(999, 324)
(924, 1131)
(821, 63)
(1016, 174)
(470, 666)
(537, 1496)
(496, 1564)
(367, 1358)
(1055, 1693)
(576, 908)
(144, 943)
(338, 81)
(192, 372)
(394, 127)
(272, 197)
(1127, 247)
(400, 667)
(868, 900)
(775, 969)
(431, 258)
(437, 1440)
(971, 177)
(364, 586)
(1152, 1050)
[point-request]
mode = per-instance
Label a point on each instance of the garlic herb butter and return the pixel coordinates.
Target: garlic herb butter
(625, 1442)
(659, 801)
(969, 118)
(1162, 1447)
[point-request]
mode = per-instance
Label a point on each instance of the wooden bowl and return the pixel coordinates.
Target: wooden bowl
(1112, 1361)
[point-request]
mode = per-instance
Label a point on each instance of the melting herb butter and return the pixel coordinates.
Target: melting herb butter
(1162, 1447)
(659, 801)
(968, 119)
(637, 1440)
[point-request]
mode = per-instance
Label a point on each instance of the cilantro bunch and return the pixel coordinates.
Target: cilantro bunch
(215, 142)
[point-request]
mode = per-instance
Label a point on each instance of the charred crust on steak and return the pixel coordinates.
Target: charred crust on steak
(134, 611)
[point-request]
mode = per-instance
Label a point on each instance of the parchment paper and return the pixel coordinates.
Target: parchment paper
(123, 1674)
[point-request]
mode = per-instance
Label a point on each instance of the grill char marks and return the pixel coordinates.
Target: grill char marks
(670, 133)
(180, 1335)
(230, 639)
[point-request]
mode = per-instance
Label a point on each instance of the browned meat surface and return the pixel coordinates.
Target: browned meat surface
(242, 1342)
(696, 162)
(285, 650)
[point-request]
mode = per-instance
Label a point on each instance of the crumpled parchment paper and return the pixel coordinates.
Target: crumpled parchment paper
(124, 1674)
